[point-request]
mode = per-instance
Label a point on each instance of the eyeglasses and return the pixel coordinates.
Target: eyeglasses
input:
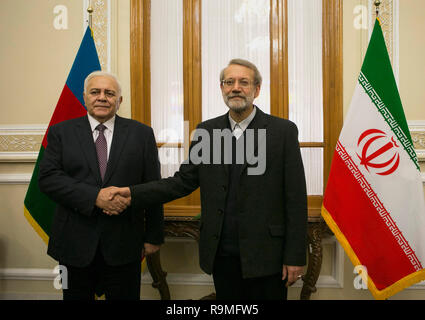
(230, 83)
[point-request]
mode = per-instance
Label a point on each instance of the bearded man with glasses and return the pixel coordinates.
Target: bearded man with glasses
(253, 223)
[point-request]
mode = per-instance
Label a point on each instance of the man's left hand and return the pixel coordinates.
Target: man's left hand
(151, 248)
(294, 273)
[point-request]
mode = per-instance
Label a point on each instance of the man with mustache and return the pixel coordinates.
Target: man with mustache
(101, 252)
(253, 226)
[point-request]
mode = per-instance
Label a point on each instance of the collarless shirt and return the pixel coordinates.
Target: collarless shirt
(238, 128)
(109, 131)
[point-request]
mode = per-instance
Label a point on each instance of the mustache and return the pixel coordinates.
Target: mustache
(235, 96)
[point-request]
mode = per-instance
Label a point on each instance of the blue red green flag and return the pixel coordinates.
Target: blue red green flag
(38, 208)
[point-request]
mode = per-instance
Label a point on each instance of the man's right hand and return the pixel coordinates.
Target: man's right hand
(123, 192)
(111, 205)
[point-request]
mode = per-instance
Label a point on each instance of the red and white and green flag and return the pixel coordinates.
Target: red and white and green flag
(374, 199)
(38, 208)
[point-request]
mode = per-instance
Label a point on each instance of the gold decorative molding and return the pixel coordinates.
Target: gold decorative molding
(417, 132)
(20, 143)
(24, 142)
(418, 140)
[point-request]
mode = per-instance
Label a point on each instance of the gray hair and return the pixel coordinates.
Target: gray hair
(245, 63)
(102, 74)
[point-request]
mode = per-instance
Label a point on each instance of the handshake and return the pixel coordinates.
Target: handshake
(113, 200)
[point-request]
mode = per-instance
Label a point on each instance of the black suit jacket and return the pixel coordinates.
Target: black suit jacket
(69, 174)
(271, 207)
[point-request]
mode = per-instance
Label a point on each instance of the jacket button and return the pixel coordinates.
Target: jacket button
(220, 212)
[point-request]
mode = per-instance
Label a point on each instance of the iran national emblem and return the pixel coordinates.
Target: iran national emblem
(378, 151)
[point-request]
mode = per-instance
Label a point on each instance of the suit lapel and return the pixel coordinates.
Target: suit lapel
(259, 122)
(118, 142)
(223, 123)
(85, 136)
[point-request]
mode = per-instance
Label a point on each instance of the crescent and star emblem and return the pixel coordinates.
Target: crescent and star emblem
(375, 141)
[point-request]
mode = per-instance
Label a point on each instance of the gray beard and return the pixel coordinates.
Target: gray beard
(238, 106)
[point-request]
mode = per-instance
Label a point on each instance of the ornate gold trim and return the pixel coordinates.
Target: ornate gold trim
(418, 140)
(20, 143)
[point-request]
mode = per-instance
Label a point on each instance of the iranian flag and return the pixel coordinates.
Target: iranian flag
(374, 199)
(38, 208)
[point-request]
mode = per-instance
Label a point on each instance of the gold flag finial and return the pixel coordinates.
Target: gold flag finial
(90, 11)
(377, 4)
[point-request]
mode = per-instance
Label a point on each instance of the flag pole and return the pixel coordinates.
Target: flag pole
(377, 4)
(90, 11)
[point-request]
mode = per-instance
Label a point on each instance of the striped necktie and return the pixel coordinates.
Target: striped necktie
(102, 150)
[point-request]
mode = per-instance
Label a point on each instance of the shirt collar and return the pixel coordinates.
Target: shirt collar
(244, 123)
(94, 123)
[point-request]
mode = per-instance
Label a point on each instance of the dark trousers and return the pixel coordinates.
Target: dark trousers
(116, 282)
(229, 284)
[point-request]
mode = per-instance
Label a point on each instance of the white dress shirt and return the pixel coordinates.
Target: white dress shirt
(109, 131)
(238, 128)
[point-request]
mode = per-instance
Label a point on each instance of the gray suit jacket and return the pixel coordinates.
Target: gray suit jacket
(272, 206)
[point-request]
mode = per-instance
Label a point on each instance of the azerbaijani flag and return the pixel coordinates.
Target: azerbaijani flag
(38, 208)
(374, 200)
